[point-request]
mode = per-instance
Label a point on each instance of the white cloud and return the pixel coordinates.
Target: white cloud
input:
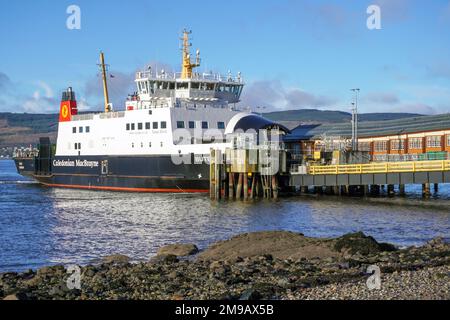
(272, 95)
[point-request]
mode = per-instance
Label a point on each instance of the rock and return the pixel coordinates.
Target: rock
(169, 258)
(15, 296)
(179, 250)
(220, 268)
(359, 243)
(436, 243)
(250, 294)
(46, 271)
(276, 244)
(116, 259)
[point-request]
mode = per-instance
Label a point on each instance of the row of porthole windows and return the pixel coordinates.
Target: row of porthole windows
(86, 129)
(147, 125)
(161, 144)
(205, 125)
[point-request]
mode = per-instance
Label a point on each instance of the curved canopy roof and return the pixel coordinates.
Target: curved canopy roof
(251, 121)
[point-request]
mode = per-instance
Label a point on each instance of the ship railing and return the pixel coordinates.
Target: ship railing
(195, 76)
(112, 115)
(82, 117)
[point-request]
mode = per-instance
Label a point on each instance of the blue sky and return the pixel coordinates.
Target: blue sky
(293, 54)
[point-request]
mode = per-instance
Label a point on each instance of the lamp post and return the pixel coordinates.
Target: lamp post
(355, 119)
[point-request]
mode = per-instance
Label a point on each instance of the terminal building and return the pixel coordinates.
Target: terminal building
(408, 139)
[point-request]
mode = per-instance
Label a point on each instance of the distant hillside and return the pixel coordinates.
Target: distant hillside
(23, 129)
(324, 116)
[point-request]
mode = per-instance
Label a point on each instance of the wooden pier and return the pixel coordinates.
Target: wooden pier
(245, 174)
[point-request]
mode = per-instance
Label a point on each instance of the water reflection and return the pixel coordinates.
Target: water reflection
(39, 226)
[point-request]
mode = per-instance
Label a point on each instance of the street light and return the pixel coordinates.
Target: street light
(355, 119)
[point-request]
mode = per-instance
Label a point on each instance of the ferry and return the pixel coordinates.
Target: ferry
(159, 142)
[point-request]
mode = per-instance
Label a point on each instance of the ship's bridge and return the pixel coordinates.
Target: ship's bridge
(200, 87)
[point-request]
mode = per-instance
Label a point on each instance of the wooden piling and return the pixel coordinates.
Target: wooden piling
(275, 187)
(426, 190)
(391, 189)
(230, 185)
(239, 187)
(245, 179)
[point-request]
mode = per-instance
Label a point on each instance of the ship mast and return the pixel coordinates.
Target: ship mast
(187, 65)
(103, 67)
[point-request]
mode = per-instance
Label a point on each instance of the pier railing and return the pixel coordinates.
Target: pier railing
(387, 167)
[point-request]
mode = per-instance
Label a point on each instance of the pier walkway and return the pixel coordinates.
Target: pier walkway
(377, 173)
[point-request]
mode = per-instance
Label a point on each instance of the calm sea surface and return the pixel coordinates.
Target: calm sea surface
(42, 226)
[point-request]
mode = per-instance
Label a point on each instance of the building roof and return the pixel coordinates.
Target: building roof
(372, 128)
(250, 121)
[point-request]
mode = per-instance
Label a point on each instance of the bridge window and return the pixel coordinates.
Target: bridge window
(133, 127)
(195, 85)
(220, 125)
(415, 143)
(204, 125)
(80, 129)
(434, 142)
(140, 126)
(191, 124)
(448, 141)
(147, 126)
(180, 124)
(182, 85)
(88, 129)
(163, 125)
(74, 130)
(155, 125)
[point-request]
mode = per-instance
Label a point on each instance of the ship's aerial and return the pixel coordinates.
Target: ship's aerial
(159, 142)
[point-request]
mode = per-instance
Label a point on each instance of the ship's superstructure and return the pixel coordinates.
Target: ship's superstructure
(162, 139)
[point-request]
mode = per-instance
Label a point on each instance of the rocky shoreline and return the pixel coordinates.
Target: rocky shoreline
(262, 265)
